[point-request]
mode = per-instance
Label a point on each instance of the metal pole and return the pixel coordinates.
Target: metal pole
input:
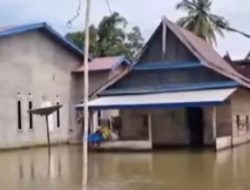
(48, 135)
(150, 130)
(214, 124)
(86, 94)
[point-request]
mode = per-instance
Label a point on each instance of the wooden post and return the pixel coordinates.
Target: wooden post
(150, 129)
(49, 164)
(214, 124)
(48, 134)
(86, 95)
(164, 37)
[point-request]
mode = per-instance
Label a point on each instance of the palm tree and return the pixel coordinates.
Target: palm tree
(200, 20)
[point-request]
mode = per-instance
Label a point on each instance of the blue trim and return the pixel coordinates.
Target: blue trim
(157, 106)
(44, 27)
(21, 29)
(122, 60)
(171, 88)
(167, 66)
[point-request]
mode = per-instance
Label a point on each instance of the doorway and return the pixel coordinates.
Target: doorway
(195, 126)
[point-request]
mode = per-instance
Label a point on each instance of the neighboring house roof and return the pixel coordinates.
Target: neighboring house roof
(45, 28)
(242, 66)
(105, 63)
(227, 57)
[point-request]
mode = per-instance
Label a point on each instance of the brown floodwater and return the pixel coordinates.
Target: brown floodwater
(170, 170)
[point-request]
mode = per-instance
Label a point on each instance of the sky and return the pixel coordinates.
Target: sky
(144, 13)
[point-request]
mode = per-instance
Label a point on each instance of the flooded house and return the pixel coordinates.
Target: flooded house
(36, 64)
(180, 92)
(40, 67)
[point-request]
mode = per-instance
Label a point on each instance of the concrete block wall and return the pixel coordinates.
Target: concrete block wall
(241, 108)
(208, 126)
(132, 125)
(168, 126)
(33, 65)
(224, 120)
(223, 123)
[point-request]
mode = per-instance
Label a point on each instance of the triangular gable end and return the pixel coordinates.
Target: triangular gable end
(165, 46)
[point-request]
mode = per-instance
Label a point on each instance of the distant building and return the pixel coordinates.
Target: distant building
(102, 71)
(180, 93)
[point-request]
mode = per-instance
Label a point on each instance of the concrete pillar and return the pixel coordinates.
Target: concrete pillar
(91, 123)
(214, 123)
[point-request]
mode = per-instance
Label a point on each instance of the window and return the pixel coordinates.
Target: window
(247, 122)
(58, 116)
(30, 116)
(19, 115)
(238, 121)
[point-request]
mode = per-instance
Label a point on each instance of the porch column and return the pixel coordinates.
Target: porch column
(150, 128)
(214, 124)
(91, 123)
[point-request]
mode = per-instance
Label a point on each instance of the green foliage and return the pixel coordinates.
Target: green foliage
(200, 20)
(111, 38)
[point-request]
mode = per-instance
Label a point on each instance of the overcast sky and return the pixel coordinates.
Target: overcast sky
(144, 13)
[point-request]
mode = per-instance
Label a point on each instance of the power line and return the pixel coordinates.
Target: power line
(109, 7)
(78, 11)
(218, 23)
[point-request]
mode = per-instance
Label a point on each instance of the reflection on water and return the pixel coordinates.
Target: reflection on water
(174, 170)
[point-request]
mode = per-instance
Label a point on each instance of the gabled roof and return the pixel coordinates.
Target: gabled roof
(45, 28)
(207, 55)
(105, 63)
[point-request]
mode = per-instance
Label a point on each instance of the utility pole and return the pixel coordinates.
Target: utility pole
(85, 95)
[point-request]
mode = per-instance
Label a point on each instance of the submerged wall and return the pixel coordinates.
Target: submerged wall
(241, 116)
(238, 118)
(168, 126)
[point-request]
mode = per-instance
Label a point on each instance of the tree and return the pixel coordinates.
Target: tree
(111, 38)
(200, 20)
(135, 42)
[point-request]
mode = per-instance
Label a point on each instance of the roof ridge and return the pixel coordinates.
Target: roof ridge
(44, 26)
(179, 32)
(118, 56)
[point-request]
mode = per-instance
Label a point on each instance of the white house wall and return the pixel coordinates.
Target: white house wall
(32, 63)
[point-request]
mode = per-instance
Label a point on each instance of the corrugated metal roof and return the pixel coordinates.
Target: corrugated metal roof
(43, 27)
(104, 63)
(170, 99)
